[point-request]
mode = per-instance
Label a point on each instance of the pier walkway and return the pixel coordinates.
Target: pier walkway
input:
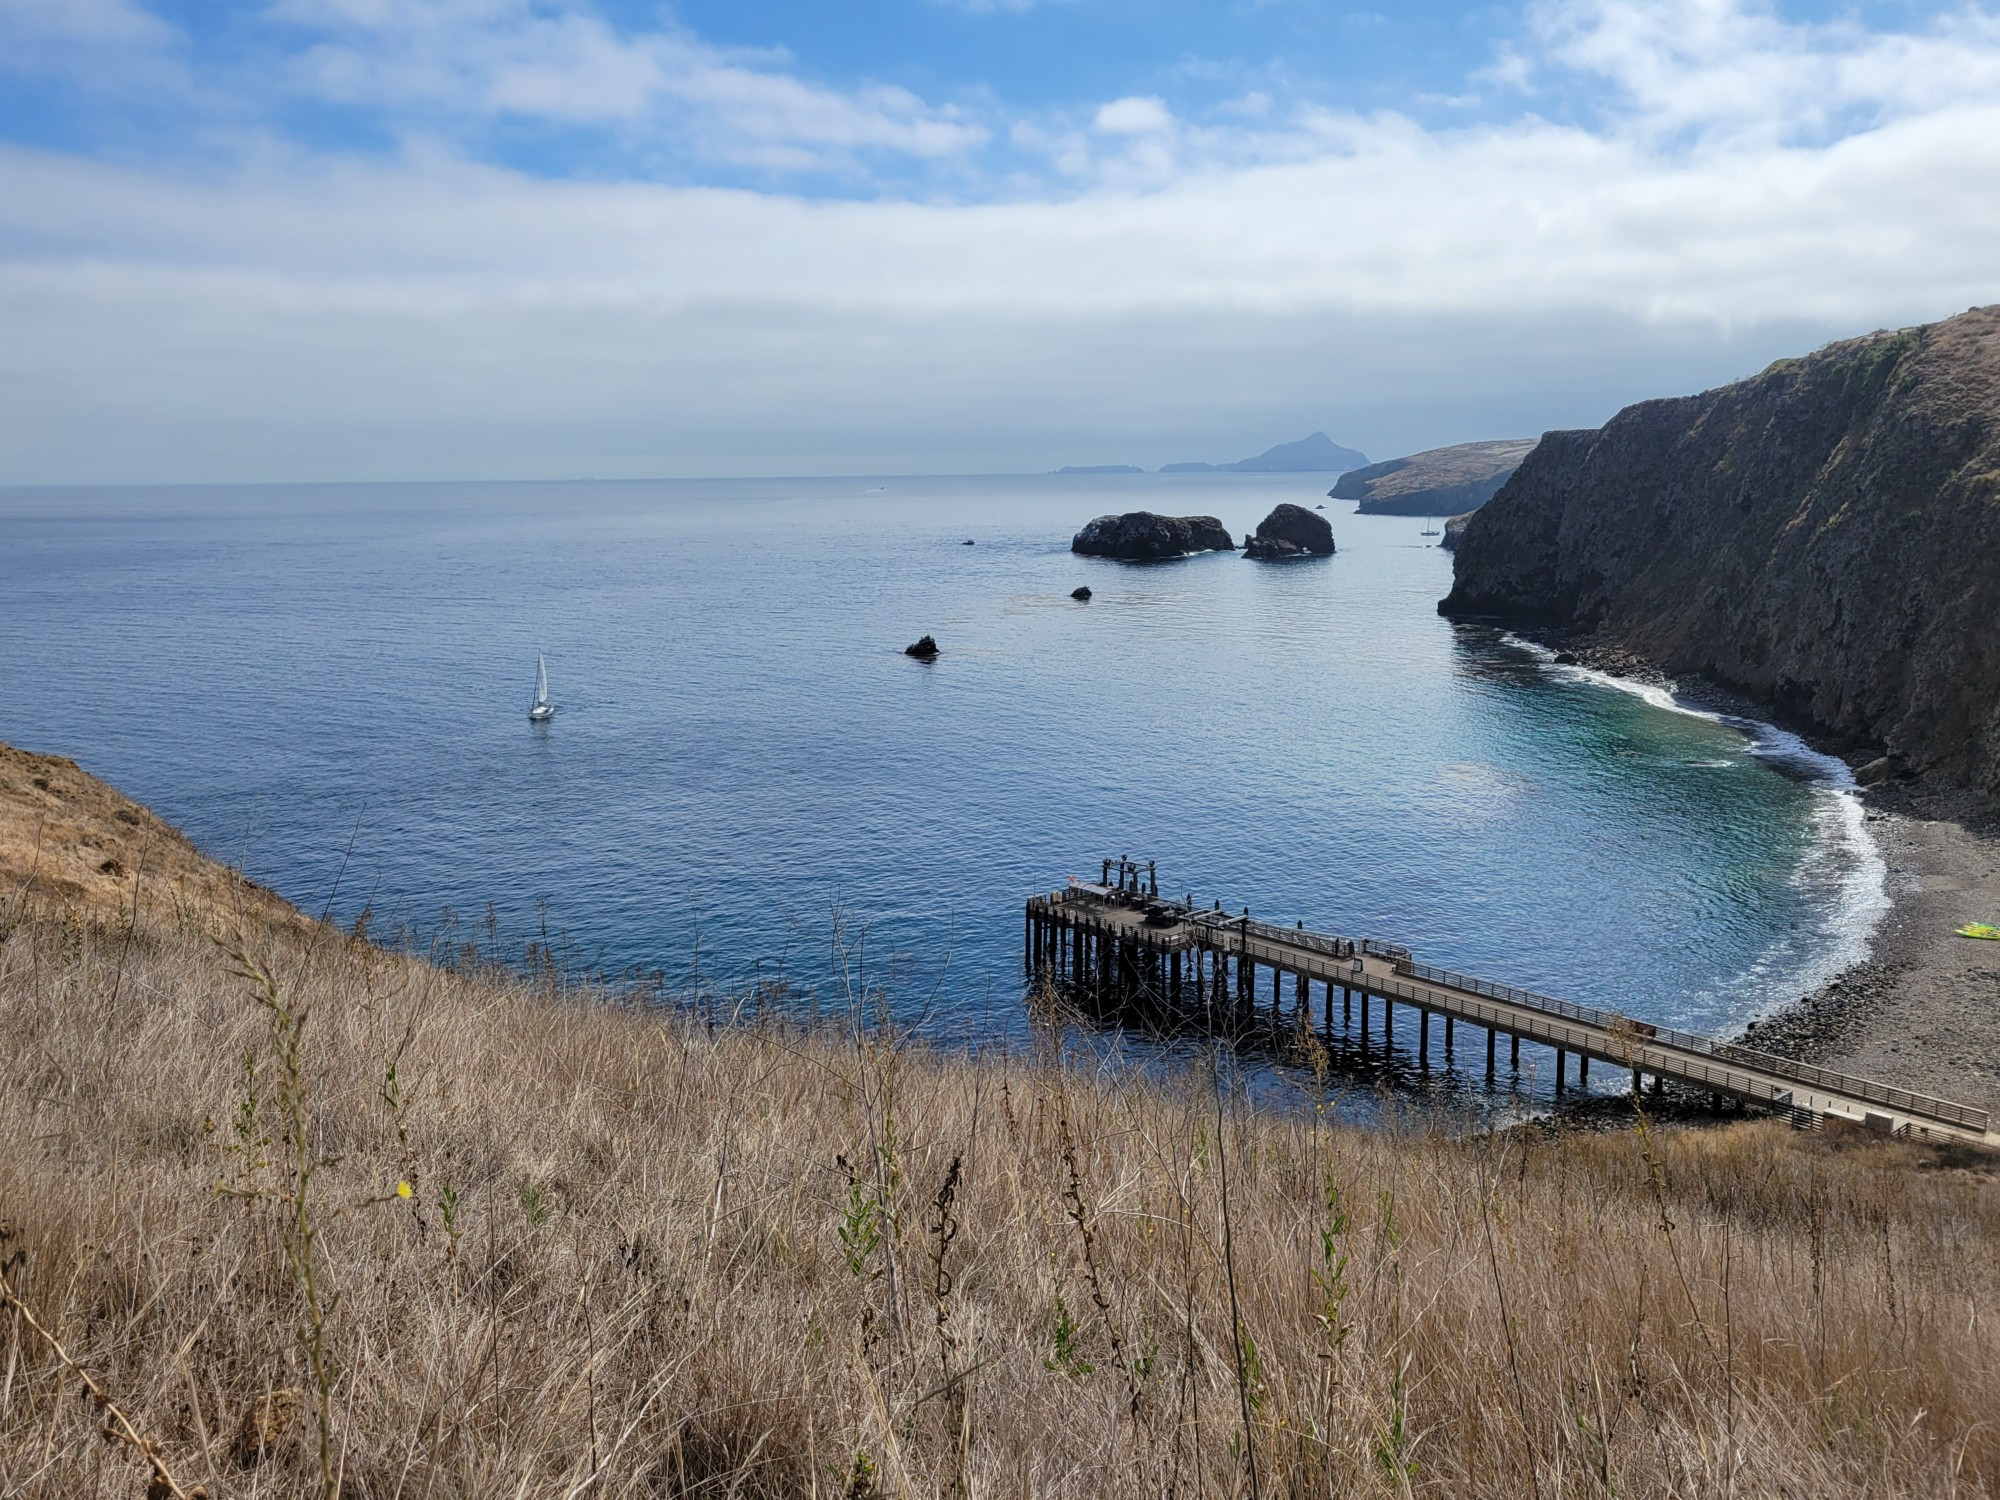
(1199, 969)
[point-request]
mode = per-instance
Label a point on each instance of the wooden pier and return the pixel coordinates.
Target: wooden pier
(1116, 943)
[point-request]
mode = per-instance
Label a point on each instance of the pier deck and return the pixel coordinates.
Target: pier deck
(1202, 970)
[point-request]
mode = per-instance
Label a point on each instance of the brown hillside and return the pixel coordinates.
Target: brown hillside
(68, 839)
(642, 1255)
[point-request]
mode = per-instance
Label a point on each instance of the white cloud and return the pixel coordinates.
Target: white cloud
(302, 315)
(106, 46)
(1254, 105)
(1736, 66)
(116, 23)
(1134, 116)
(558, 62)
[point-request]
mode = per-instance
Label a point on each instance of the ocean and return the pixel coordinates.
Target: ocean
(748, 783)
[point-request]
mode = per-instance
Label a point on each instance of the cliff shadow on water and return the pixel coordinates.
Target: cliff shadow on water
(1816, 538)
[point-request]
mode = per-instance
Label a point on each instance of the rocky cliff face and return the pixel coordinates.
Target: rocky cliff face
(1438, 482)
(1824, 537)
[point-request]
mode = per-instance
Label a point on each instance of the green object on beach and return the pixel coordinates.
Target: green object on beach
(1979, 930)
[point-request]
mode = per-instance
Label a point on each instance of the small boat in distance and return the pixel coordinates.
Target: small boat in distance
(541, 710)
(1433, 531)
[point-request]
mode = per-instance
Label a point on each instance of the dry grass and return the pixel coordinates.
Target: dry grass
(642, 1256)
(67, 839)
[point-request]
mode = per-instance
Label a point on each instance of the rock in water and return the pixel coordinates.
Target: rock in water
(1141, 536)
(1082, 593)
(924, 650)
(1818, 537)
(1290, 531)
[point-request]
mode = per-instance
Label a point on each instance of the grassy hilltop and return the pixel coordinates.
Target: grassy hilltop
(319, 1218)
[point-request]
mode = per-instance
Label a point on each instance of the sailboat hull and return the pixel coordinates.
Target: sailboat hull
(541, 710)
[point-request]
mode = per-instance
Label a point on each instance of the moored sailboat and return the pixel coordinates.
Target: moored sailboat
(541, 710)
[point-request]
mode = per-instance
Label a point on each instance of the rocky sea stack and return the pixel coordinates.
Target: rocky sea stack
(924, 650)
(1141, 536)
(1818, 537)
(1290, 531)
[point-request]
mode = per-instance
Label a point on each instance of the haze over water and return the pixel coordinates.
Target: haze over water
(742, 749)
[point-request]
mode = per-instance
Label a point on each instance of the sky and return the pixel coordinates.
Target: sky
(387, 239)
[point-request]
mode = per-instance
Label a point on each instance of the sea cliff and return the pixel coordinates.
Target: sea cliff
(1438, 482)
(1817, 537)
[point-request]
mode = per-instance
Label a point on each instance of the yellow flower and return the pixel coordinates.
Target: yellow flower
(403, 1190)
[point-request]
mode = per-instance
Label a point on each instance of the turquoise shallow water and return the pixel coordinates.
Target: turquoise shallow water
(742, 750)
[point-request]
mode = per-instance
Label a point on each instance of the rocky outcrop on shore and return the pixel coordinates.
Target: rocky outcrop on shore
(1436, 482)
(1141, 536)
(1818, 538)
(1290, 531)
(1453, 530)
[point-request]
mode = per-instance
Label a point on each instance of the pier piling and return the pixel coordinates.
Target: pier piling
(1117, 948)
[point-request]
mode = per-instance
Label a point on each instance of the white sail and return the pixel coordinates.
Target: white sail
(541, 708)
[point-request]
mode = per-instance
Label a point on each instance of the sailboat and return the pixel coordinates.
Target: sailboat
(1432, 530)
(541, 710)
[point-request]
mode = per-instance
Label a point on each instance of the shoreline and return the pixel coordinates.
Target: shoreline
(1921, 1009)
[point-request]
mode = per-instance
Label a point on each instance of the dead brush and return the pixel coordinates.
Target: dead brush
(288, 1181)
(1336, 1311)
(118, 1427)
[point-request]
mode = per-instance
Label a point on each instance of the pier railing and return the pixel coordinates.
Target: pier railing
(1270, 943)
(1764, 1062)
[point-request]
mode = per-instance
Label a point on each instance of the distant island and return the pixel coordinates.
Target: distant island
(1318, 454)
(1436, 482)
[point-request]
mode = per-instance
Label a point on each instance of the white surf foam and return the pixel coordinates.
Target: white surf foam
(1847, 870)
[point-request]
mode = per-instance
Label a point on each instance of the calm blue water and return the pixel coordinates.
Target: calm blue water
(742, 750)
